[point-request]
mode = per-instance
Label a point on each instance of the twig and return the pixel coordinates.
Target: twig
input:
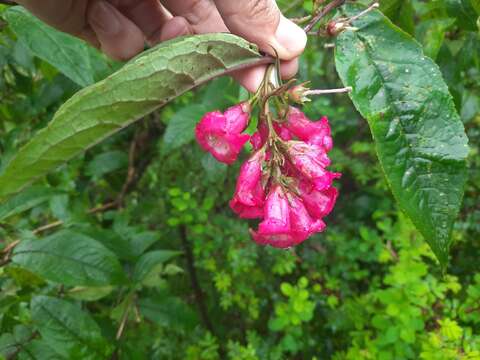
(124, 319)
(8, 2)
(325, 10)
(391, 250)
(327, 91)
(470, 310)
(199, 299)
(368, 9)
(47, 227)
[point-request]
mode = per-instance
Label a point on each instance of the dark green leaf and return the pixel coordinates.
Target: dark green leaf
(70, 331)
(401, 13)
(464, 12)
(107, 162)
(180, 129)
(69, 258)
(144, 84)
(8, 345)
(419, 137)
(39, 350)
(431, 33)
(72, 56)
(26, 200)
(168, 311)
(214, 169)
(151, 260)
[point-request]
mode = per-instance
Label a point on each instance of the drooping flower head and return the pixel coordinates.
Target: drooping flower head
(285, 182)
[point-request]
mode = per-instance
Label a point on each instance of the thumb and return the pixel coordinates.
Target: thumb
(261, 22)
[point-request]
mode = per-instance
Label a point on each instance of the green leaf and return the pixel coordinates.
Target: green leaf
(41, 351)
(107, 162)
(8, 345)
(70, 331)
(141, 86)
(401, 13)
(180, 129)
(69, 258)
(214, 169)
(431, 33)
(419, 138)
(26, 200)
(89, 293)
(464, 12)
(149, 261)
(168, 311)
(70, 55)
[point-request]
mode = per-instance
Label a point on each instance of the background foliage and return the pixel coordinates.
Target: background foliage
(137, 255)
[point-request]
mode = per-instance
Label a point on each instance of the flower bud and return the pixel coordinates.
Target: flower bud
(297, 94)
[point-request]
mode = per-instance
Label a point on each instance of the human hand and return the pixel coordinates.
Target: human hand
(120, 28)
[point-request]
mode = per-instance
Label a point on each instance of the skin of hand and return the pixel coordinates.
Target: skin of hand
(120, 28)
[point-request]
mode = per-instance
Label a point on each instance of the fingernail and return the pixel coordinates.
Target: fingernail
(103, 18)
(291, 38)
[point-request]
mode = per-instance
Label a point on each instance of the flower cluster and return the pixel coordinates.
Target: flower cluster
(285, 182)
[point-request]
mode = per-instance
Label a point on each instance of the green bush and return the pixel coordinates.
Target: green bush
(173, 274)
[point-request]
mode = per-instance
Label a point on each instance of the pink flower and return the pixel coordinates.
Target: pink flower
(311, 160)
(275, 228)
(220, 134)
(249, 196)
(312, 132)
(260, 136)
(303, 225)
(282, 131)
(287, 221)
(318, 203)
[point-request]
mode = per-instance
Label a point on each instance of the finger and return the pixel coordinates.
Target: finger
(251, 79)
(119, 37)
(202, 15)
(261, 22)
(65, 15)
(149, 15)
(177, 26)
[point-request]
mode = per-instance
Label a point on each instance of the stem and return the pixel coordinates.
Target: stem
(327, 91)
(192, 271)
(361, 13)
(325, 10)
(124, 318)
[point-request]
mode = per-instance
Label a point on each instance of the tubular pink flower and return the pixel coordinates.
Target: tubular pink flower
(303, 225)
(220, 134)
(310, 161)
(275, 228)
(249, 196)
(312, 132)
(282, 131)
(276, 211)
(237, 117)
(260, 136)
(318, 203)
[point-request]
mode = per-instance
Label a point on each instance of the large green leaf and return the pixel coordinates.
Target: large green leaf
(70, 55)
(69, 258)
(149, 261)
(180, 129)
(420, 140)
(144, 84)
(26, 200)
(68, 330)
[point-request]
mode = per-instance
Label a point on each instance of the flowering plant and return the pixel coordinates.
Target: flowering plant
(285, 182)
